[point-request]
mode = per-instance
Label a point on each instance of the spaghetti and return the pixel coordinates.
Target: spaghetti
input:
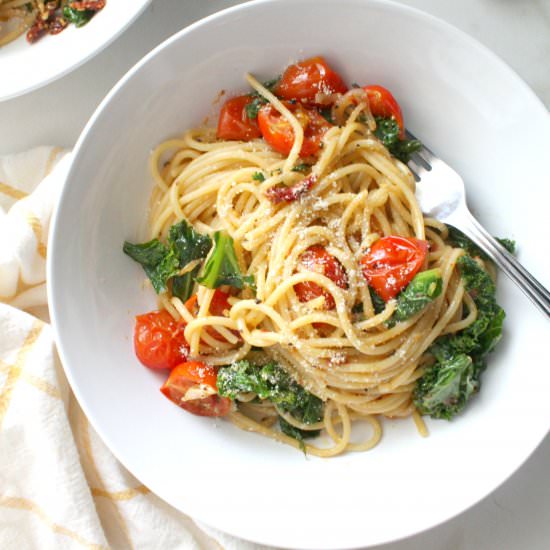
(328, 332)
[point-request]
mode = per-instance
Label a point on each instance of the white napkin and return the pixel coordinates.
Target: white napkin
(60, 487)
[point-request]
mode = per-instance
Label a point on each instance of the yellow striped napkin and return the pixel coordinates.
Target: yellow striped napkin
(60, 487)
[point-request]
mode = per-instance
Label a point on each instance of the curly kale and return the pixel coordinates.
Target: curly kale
(481, 336)
(273, 383)
(388, 132)
(446, 387)
(458, 239)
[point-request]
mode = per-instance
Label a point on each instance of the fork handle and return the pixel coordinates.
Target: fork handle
(534, 290)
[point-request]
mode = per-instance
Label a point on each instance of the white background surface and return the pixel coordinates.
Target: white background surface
(516, 516)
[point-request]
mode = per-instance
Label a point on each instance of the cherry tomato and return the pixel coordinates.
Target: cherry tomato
(278, 132)
(218, 305)
(391, 263)
(159, 342)
(234, 122)
(304, 80)
(192, 386)
(383, 104)
(318, 260)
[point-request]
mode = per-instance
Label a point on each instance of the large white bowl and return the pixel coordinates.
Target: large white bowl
(468, 107)
(25, 67)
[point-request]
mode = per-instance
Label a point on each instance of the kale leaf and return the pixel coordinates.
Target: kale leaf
(189, 246)
(481, 336)
(297, 433)
(458, 239)
(508, 244)
(222, 267)
(377, 302)
(446, 386)
(158, 260)
(425, 287)
(273, 383)
(388, 131)
(162, 262)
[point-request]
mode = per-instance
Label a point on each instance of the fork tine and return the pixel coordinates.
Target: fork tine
(417, 158)
(415, 169)
(425, 154)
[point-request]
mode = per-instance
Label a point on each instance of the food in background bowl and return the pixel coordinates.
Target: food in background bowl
(37, 18)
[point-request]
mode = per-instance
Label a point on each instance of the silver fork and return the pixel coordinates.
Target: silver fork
(441, 194)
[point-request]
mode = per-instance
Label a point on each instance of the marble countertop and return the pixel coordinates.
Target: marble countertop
(513, 517)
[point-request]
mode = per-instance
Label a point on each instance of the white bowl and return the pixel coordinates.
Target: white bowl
(25, 67)
(468, 107)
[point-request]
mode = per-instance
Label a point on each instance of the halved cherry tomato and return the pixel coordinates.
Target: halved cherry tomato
(159, 342)
(383, 104)
(391, 263)
(278, 132)
(218, 305)
(234, 122)
(317, 259)
(192, 386)
(304, 80)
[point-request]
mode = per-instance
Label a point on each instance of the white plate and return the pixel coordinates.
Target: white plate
(468, 107)
(25, 67)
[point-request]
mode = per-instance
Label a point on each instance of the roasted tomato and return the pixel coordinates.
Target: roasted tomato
(218, 306)
(291, 193)
(304, 80)
(383, 104)
(278, 132)
(234, 122)
(391, 263)
(192, 386)
(159, 341)
(318, 260)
